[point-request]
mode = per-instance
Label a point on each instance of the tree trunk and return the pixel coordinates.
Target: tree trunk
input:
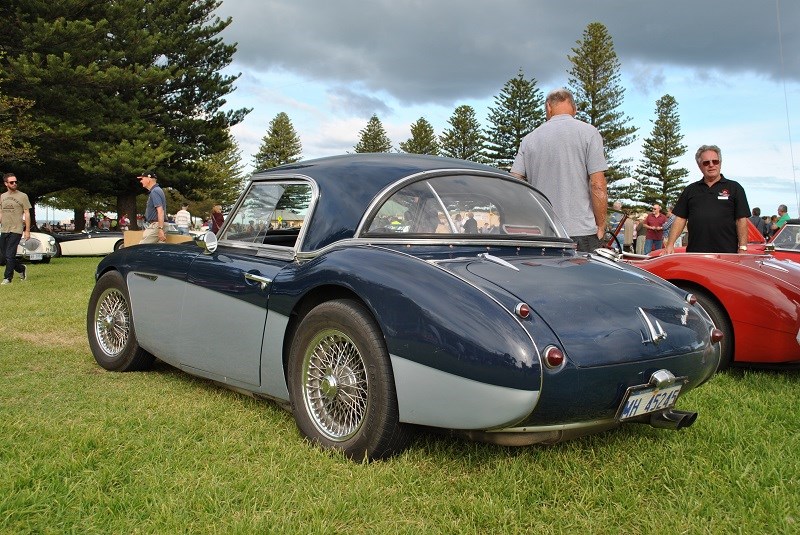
(126, 205)
(79, 218)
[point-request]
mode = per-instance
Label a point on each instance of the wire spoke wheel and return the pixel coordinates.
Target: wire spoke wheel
(112, 324)
(336, 385)
(109, 325)
(341, 384)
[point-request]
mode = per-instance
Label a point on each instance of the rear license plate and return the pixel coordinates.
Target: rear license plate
(35, 256)
(647, 399)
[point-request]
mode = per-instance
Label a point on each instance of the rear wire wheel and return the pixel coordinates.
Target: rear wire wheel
(341, 384)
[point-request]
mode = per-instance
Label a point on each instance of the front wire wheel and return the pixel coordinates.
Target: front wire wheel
(109, 325)
(341, 384)
(112, 322)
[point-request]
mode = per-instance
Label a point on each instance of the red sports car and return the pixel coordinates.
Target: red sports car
(754, 298)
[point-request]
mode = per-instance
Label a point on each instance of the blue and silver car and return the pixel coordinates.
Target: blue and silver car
(374, 293)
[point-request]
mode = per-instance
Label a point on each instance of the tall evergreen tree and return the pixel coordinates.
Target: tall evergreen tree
(595, 81)
(227, 168)
(17, 132)
(373, 137)
(519, 109)
(658, 179)
(281, 144)
(464, 138)
(422, 140)
(119, 87)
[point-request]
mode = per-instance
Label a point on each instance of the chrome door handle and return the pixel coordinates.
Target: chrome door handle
(262, 281)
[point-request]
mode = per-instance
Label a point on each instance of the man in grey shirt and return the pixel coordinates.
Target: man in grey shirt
(563, 158)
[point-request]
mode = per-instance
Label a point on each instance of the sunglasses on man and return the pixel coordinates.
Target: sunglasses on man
(706, 163)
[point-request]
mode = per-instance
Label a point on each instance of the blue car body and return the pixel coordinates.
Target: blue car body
(464, 322)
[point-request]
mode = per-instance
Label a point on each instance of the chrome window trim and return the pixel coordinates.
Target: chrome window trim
(270, 250)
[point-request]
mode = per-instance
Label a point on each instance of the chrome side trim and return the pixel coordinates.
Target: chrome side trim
(450, 242)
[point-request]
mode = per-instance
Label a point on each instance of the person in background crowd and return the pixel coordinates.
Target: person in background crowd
(563, 158)
(217, 219)
(183, 218)
(124, 222)
(15, 225)
(783, 217)
(715, 208)
(470, 225)
(759, 223)
(670, 220)
(156, 210)
(654, 223)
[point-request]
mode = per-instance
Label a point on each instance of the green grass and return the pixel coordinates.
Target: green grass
(83, 450)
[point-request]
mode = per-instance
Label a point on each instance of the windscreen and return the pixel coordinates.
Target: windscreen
(481, 206)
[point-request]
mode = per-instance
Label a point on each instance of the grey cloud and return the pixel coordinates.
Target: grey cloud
(348, 102)
(443, 51)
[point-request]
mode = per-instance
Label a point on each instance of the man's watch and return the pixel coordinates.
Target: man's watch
(160, 228)
(742, 247)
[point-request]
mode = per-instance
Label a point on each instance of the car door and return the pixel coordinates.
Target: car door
(226, 301)
(224, 313)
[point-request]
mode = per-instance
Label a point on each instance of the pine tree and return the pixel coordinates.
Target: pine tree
(422, 140)
(464, 138)
(595, 81)
(658, 180)
(281, 144)
(119, 87)
(520, 109)
(373, 137)
(229, 179)
(17, 132)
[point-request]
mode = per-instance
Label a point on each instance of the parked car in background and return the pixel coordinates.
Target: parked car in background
(343, 288)
(752, 297)
(786, 241)
(88, 242)
(40, 247)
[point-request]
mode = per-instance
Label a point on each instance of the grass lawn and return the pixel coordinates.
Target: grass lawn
(83, 450)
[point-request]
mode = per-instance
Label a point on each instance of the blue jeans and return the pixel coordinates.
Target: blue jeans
(652, 245)
(8, 246)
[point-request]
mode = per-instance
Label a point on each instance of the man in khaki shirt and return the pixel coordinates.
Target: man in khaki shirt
(15, 221)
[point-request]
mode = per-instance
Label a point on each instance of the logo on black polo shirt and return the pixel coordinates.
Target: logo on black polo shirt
(723, 195)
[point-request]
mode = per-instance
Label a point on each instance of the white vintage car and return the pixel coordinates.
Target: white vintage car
(40, 247)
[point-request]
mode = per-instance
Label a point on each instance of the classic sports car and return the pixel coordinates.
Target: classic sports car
(344, 288)
(785, 243)
(752, 297)
(88, 242)
(40, 247)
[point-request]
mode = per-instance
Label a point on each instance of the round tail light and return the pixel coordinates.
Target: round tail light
(553, 357)
(522, 310)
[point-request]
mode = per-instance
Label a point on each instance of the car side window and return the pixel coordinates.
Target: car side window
(270, 213)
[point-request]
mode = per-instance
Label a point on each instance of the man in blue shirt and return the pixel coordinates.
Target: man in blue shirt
(156, 211)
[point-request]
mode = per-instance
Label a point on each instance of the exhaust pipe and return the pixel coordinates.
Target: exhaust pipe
(672, 419)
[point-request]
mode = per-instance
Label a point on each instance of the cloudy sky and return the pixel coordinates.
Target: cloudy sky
(733, 67)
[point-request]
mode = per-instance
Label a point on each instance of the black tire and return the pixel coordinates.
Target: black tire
(119, 245)
(341, 384)
(58, 250)
(722, 322)
(45, 260)
(109, 325)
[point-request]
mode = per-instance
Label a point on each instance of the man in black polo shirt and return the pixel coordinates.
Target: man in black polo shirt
(715, 208)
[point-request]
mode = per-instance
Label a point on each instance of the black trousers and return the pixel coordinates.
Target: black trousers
(8, 246)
